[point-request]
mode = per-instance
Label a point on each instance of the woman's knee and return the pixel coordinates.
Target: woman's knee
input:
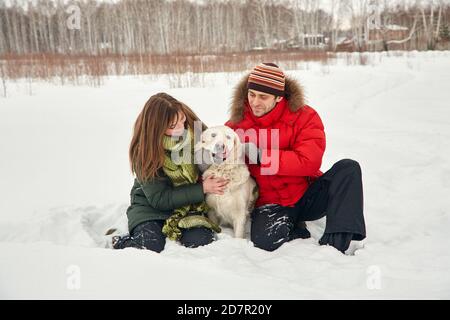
(196, 237)
(156, 245)
(268, 242)
(149, 236)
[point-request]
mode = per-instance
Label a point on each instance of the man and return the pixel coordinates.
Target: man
(292, 189)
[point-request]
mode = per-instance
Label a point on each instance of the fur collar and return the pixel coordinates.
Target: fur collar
(293, 94)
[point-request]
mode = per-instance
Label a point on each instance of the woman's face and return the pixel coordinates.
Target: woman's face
(176, 129)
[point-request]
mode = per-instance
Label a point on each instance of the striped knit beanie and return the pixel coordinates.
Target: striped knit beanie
(268, 78)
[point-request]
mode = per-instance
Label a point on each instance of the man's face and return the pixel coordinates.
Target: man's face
(261, 102)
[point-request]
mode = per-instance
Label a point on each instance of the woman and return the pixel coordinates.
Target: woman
(167, 198)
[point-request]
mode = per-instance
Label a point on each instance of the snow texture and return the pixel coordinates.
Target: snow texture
(65, 180)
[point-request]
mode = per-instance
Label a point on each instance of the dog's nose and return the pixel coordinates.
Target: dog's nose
(219, 147)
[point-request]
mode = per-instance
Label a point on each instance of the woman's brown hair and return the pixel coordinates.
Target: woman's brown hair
(146, 149)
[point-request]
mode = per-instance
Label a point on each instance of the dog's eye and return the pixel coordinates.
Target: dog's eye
(228, 137)
(213, 135)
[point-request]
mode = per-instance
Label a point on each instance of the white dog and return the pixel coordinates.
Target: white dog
(227, 157)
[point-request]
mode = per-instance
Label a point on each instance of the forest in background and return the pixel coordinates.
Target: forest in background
(67, 39)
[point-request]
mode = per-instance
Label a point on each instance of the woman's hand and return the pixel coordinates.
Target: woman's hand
(214, 185)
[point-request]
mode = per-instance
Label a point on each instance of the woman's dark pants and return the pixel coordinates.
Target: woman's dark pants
(148, 235)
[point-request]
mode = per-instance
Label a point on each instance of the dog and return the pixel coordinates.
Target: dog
(226, 156)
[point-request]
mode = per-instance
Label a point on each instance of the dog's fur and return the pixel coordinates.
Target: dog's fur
(234, 206)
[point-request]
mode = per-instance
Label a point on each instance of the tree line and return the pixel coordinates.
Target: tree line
(165, 27)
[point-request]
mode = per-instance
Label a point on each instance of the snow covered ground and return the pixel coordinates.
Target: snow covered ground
(63, 160)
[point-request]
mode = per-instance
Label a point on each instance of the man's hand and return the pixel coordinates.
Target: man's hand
(252, 152)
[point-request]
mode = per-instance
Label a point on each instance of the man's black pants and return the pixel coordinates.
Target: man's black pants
(337, 194)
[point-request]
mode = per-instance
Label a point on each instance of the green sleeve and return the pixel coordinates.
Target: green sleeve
(162, 195)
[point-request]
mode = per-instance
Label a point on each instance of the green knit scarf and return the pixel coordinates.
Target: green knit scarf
(180, 174)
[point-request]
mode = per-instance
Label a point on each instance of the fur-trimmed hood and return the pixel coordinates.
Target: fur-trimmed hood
(293, 93)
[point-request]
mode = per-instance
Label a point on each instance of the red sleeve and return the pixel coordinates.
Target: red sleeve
(230, 125)
(305, 158)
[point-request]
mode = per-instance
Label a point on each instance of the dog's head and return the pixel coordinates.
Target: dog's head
(220, 144)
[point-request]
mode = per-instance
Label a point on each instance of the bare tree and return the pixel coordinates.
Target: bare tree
(3, 40)
(3, 77)
(430, 25)
(216, 26)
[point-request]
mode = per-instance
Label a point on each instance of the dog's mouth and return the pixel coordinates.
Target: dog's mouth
(219, 157)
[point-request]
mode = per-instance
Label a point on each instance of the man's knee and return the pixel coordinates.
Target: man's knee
(348, 165)
(272, 237)
(271, 227)
(268, 242)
